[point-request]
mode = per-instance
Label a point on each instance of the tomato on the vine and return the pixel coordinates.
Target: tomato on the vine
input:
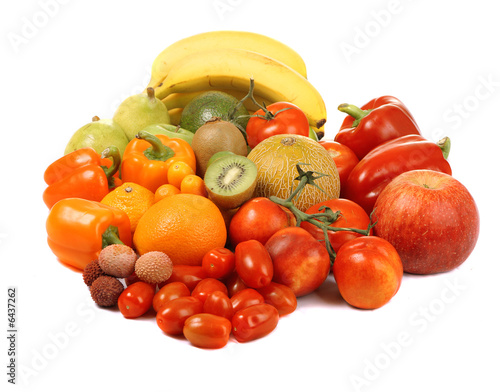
(136, 299)
(279, 118)
(345, 159)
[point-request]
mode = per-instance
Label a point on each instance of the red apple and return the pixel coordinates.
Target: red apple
(430, 218)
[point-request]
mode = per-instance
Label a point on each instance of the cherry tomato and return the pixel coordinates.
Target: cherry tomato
(234, 284)
(218, 303)
(253, 264)
(218, 263)
(279, 296)
(300, 261)
(245, 298)
(345, 159)
(254, 322)
(351, 215)
(258, 219)
(207, 330)
(368, 272)
(279, 118)
(190, 275)
(169, 292)
(136, 299)
(207, 286)
(171, 316)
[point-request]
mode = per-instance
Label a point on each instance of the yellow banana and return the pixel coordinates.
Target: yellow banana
(233, 69)
(224, 39)
(175, 115)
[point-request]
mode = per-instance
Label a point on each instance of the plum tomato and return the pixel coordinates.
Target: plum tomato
(279, 296)
(169, 292)
(345, 159)
(207, 286)
(205, 330)
(136, 299)
(190, 275)
(279, 118)
(218, 303)
(351, 215)
(258, 219)
(234, 284)
(300, 261)
(368, 272)
(245, 298)
(172, 316)
(254, 322)
(218, 263)
(253, 264)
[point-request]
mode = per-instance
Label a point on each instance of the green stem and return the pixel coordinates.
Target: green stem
(355, 112)
(445, 146)
(113, 153)
(110, 236)
(158, 151)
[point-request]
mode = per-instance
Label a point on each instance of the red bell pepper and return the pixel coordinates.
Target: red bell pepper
(385, 162)
(82, 173)
(378, 121)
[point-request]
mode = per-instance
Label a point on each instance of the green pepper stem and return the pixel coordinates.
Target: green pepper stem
(445, 146)
(110, 237)
(158, 151)
(113, 153)
(353, 111)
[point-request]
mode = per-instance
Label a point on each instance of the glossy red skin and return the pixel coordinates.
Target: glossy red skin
(168, 293)
(300, 261)
(172, 316)
(352, 215)
(220, 304)
(258, 219)
(290, 121)
(207, 286)
(389, 119)
(136, 299)
(245, 298)
(253, 264)
(379, 167)
(207, 330)
(218, 263)
(440, 229)
(368, 272)
(279, 296)
(190, 275)
(254, 322)
(234, 284)
(345, 159)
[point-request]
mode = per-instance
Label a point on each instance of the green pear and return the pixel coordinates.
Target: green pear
(138, 111)
(170, 131)
(98, 134)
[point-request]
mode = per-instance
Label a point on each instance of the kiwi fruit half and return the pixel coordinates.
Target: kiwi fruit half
(230, 181)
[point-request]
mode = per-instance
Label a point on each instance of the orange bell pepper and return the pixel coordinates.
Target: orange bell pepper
(77, 230)
(146, 159)
(82, 173)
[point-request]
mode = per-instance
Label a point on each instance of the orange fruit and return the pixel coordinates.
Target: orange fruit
(177, 171)
(194, 185)
(164, 191)
(183, 226)
(131, 198)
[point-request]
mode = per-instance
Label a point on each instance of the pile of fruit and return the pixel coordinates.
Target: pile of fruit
(213, 200)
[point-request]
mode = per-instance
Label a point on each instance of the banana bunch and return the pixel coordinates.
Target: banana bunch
(226, 61)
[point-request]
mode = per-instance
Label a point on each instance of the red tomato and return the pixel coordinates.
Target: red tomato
(218, 303)
(345, 159)
(190, 275)
(368, 272)
(254, 322)
(279, 296)
(300, 261)
(207, 286)
(253, 264)
(351, 215)
(169, 292)
(280, 118)
(206, 330)
(136, 299)
(245, 298)
(218, 263)
(171, 316)
(258, 219)
(234, 284)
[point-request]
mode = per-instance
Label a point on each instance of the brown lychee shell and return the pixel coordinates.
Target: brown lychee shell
(91, 272)
(154, 267)
(105, 291)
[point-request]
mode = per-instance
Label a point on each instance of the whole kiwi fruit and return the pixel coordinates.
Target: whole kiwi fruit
(214, 136)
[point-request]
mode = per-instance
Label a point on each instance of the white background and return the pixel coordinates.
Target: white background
(82, 58)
